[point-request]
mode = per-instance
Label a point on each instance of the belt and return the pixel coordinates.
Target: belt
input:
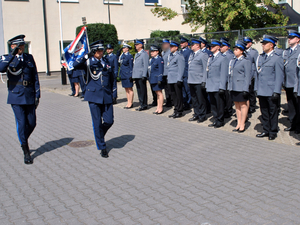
(25, 83)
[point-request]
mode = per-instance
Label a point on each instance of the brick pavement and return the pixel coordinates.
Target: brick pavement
(160, 171)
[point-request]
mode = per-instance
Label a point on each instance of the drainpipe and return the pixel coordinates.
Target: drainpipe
(2, 48)
(46, 38)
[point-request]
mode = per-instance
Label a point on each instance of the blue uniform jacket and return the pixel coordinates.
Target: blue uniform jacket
(270, 75)
(197, 66)
(140, 68)
(290, 66)
(79, 67)
(176, 67)
(18, 93)
(239, 74)
(186, 52)
(156, 66)
(126, 65)
(113, 61)
(297, 79)
(252, 55)
(216, 73)
(99, 91)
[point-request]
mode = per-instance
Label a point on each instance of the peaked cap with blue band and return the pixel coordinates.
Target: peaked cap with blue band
(293, 33)
(240, 44)
(269, 38)
(174, 43)
(215, 42)
(97, 45)
(248, 39)
(17, 40)
(139, 41)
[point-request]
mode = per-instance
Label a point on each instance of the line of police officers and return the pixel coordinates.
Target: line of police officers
(209, 78)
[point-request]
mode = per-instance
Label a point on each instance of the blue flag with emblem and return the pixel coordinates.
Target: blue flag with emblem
(77, 49)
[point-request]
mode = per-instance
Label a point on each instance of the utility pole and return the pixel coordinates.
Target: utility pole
(108, 11)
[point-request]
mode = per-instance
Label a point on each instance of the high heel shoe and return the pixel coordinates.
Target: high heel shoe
(158, 113)
(241, 131)
(236, 130)
(128, 107)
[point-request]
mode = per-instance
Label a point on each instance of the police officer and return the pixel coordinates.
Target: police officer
(113, 61)
(290, 56)
(268, 84)
(216, 77)
(23, 90)
(165, 53)
(238, 83)
(297, 91)
(196, 80)
(176, 64)
(126, 65)
(99, 94)
(156, 70)
(226, 51)
(70, 72)
(278, 50)
(79, 72)
(252, 55)
(186, 52)
(139, 73)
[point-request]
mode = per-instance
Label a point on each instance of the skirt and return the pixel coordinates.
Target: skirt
(238, 96)
(75, 80)
(156, 87)
(126, 83)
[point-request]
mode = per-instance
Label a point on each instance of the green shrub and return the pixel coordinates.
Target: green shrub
(164, 34)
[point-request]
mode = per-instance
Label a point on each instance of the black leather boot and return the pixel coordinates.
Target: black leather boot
(27, 157)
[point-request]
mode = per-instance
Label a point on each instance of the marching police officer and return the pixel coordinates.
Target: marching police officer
(290, 56)
(268, 82)
(70, 72)
(186, 52)
(99, 94)
(79, 72)
(126, 65)
(156, 70)
(196, 80)
(113, 61)
(23, 90)
(139, 73)
(226, 51)
(165, 53)
(176, 64)
(216, 77)
(252, 55)
(238, 84)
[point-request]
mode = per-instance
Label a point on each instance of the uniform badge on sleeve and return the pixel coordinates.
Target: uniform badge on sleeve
(14, 69)
(95, 72)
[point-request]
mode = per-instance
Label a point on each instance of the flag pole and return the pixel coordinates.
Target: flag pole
(63, 70)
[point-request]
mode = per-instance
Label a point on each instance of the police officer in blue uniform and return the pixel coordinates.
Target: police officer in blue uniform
(23, 90)
(70, 72)
(290, 56)
(196, 80)
(176, 64)
(126, 65)
(297, 91)
(99, 94)
(226, 51)
(165, 53)
(156, 70)
(268, 83)
(113, 61)
(252, 55)
(186, 52)
(239, 82)
(216, 78)
(78, 75)
(139, 73)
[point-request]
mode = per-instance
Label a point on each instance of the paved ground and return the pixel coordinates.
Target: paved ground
(160, 170)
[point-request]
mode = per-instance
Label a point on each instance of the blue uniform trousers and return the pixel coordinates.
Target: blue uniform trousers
(25, 121)
(186, 94)
(82, 85)
(103, 119)
(269, 114)
(72, 84)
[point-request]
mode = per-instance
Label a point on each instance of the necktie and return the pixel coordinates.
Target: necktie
(171, 54)
(212, 58)
(235, 62)
(291, 51)
(266, 56)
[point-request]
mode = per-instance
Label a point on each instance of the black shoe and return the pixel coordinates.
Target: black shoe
(71, 94)
(114, 101)
(82, 96)
(285, 111)
(218, 125)
(141, 109)
(27, 157)
(171, 116)
(186, 108)
(104, 153)
(158, 113)
(263, 134)
(297, 132)
(153, 104)
(289, 129)
(241, 131)
(128, 107)
(235, 130)
(272, 137)
(212, 125)
(251, 111)
(194, 118)
(298, 143)
(178, 115)
(200, 120)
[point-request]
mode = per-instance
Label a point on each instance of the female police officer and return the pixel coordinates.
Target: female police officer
(156, 70)
(99, 94)
(126, 64)
(238, 84)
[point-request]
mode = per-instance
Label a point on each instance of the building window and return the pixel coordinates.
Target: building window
(184, 2)
(68, 1)
(65, 44)
(116, 2)
(282, 1)
(152, 2)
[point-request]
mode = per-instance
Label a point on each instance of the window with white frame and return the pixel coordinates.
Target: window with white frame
(152, 2)
(117, 2)
(68, 1)
(282, 1)
(184, 2)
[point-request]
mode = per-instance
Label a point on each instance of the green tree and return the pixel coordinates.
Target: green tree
(225, 15)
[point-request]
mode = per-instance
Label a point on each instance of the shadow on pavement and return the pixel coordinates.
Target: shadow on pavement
(51, 145)
(119, 142)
